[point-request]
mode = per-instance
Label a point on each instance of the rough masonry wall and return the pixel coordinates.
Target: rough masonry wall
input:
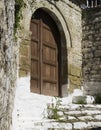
(69, 15)
(91, 47)
(7, 63)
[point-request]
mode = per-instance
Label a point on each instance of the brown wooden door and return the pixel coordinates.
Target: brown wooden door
(44, 59)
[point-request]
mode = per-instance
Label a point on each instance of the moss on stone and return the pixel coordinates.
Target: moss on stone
(19, 4)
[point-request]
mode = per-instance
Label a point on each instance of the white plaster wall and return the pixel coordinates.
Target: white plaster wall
(28, 107)
(20, 102)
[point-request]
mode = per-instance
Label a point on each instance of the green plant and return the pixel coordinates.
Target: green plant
(98, 99)
(53, 109)
(81, 101)
(19, 4)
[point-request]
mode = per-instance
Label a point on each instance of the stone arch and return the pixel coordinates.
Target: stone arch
(64, 33)
(62, 50)
(57, 16)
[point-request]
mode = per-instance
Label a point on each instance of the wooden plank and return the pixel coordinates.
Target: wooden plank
(35, 65)
(44, 59)
(50, 66)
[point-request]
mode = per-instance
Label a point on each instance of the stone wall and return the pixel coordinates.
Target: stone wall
(72, 15)
(7, 63)
(68, 19)
(91, 47)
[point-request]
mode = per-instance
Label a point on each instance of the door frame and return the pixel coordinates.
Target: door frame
(63, 57)
(41, 25)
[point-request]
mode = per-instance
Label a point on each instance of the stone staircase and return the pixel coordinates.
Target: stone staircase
(31, 112)
(71, 117)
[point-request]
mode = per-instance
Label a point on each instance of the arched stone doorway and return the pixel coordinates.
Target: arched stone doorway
(45, 55)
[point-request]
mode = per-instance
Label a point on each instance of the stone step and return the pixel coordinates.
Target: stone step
(68, 115)
(71, 117)
(48, 125)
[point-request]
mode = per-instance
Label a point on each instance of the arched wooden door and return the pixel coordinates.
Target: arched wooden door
(44, 59)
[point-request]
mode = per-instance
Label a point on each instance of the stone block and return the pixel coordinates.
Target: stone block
(75, 80)
(25, 42)
(90, 99)
(22, 73)
(88, 55)
(71, 87)
(1, 5)
(24, 50)
(24, 63)
(86, 50)
(76, 71)
(25, 34)
(97, 53)
(92, 88)
(69, 68)
(79, 100)
(96, 43)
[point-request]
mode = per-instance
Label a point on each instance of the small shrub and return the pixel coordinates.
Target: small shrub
(98, 99)
(19, 5)
(81, 102)
(52, 110)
